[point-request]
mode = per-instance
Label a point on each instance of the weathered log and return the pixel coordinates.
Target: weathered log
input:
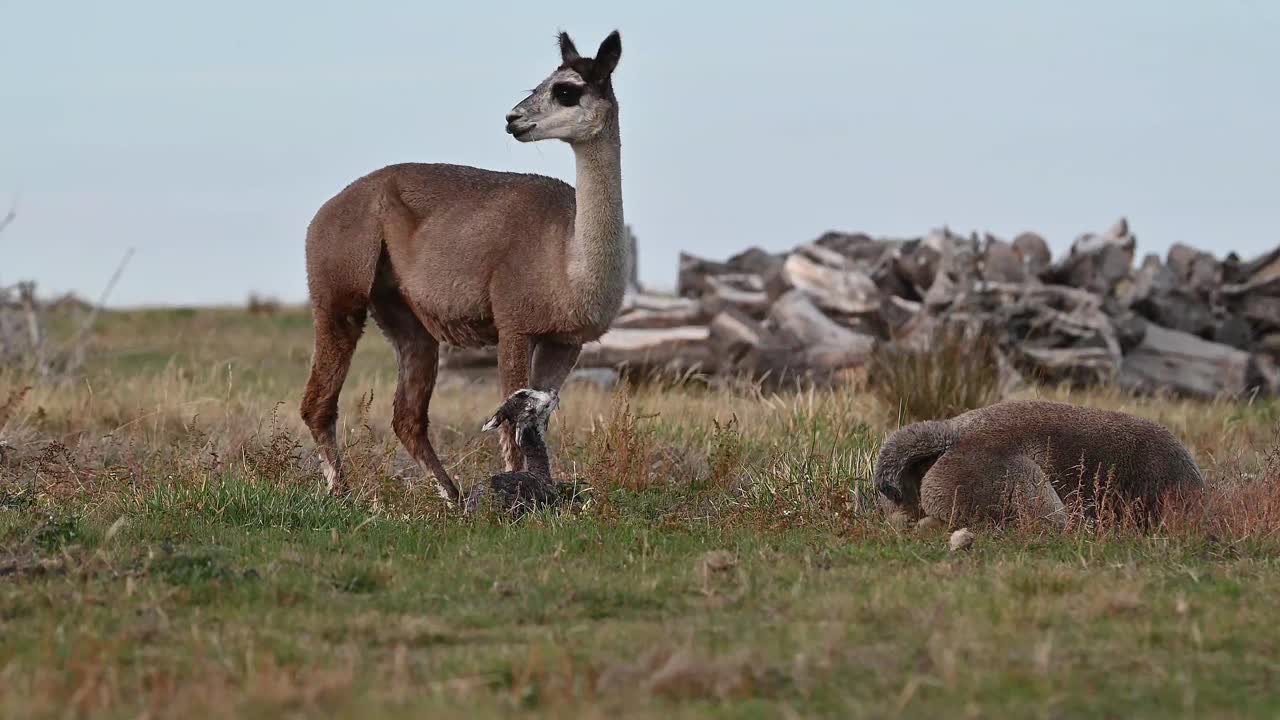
(646, 349)
(916, 262)
(733, 335)
(633, 261)
(1097, 263)
(649, 310)
(1262, 312)
(824, 344)
(742, 281)
(1261, 285)
(959, 268)
(1074, 365)
(1269, 344)
(860, 249)
(1264, 374)
(1233, 330)
(600, 378)
(1185, 364)
(1178, 310)
(896, 312)
(1059, 297)
(1149, 280)
(1196, 271)
(833, 287)
(742, 291)
(1001, 262)
(1263, 267)
(754, 261)
(1034, 252)
(1155, 292)
(691, 281)
(695, 271)
(742, 345)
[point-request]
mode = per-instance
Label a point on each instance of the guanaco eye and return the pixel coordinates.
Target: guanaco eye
(567, 94)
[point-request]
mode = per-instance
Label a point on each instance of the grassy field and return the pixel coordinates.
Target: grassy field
(165, 552)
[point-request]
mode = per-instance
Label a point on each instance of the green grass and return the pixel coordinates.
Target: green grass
(202, 602)
(165, 552)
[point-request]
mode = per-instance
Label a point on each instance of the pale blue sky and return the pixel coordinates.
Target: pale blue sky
(207, 134)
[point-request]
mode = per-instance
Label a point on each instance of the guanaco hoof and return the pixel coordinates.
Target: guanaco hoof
(1032, 459)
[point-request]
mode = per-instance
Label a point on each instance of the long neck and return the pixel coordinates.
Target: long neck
(535, 452)
(597, 255)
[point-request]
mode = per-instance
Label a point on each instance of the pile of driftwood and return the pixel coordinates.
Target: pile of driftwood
(1190, 323)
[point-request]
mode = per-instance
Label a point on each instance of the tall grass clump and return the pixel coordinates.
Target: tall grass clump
(954, 372)
(620, 447)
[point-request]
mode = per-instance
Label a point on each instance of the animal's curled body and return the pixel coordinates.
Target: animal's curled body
(519, 491)
(1037, 456)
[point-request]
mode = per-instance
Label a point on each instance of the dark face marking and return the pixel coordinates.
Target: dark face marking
(598, 83)
(567, 94)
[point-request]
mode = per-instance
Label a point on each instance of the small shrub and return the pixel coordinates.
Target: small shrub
(727, 452)
(261, 305)
(58, 530)
(276, 456)
(620, 448)
(956, 372)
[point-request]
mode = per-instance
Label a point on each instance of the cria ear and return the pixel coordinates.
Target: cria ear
(507, 412)
(493, 422)
(608, 55)
(568, 52)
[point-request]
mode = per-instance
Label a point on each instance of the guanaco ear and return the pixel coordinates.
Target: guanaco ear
(608, 55)
(568, 52)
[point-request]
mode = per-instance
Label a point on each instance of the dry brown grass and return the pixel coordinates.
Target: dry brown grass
(956, 371)
(789, 457)
(167, 552)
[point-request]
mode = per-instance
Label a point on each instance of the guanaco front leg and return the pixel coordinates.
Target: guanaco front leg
(513, 370)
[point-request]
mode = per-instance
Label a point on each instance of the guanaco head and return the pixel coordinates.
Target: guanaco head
(526, 410)
(575, 102)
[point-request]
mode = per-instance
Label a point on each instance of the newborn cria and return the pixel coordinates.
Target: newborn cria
(1033, 457)
(519, 491)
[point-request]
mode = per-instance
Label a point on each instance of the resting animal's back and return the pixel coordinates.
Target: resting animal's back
(1068, 440)
(980, 452)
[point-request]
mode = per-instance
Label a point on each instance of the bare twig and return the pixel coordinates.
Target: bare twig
(106, 292)
(77, 342)
(27, 297)
(10, 216)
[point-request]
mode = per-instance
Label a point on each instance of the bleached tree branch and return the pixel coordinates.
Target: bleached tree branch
(9, 217)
